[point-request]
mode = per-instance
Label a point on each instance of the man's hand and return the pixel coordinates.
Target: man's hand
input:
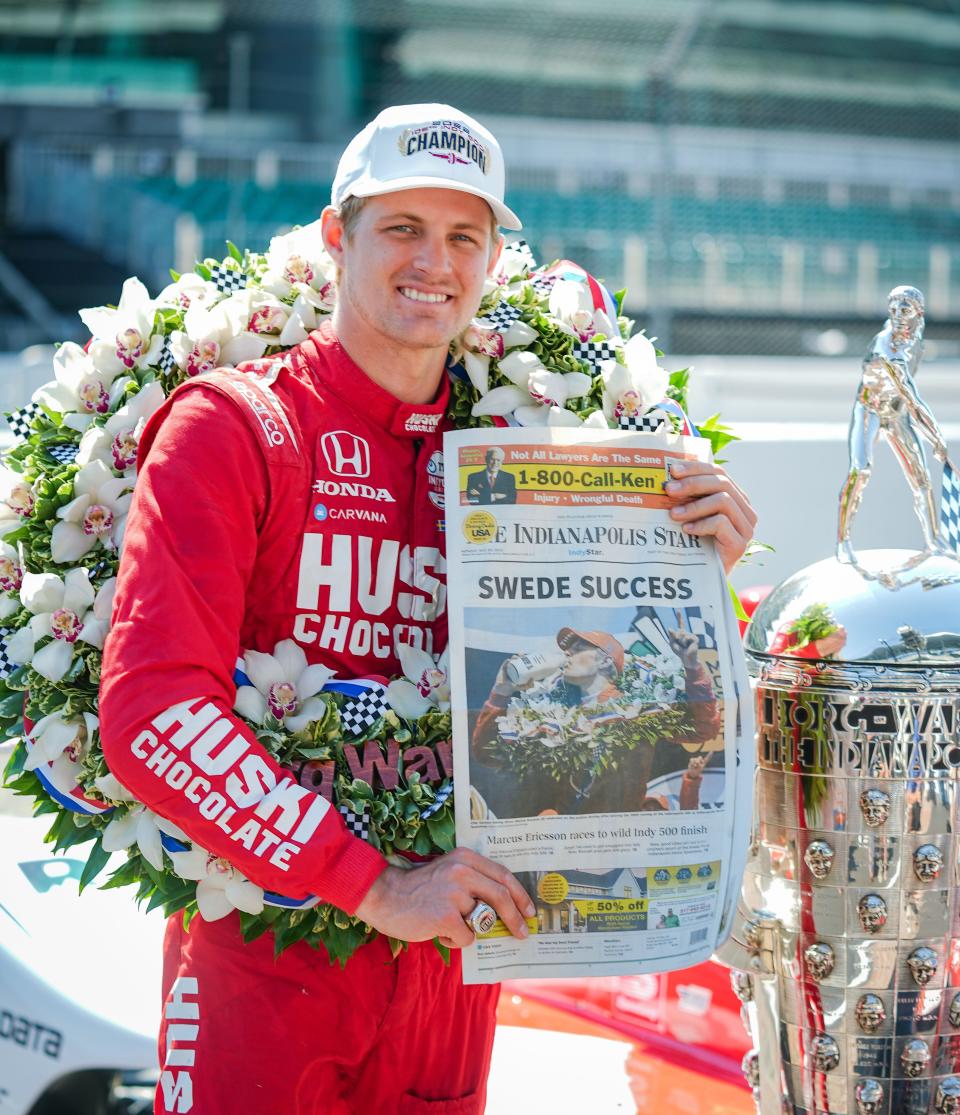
(432, 899)
(684, 646)
(695, 766)
(710, 504)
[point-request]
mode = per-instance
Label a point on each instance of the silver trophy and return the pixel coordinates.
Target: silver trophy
(847, 938)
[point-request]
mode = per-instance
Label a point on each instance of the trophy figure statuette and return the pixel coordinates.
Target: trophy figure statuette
(847, 937)
(888, 403)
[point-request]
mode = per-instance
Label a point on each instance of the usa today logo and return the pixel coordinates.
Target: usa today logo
(320, 512)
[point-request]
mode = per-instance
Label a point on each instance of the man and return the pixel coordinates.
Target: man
(492, 485)
(588, 679)
(225, 551)
(888, 402)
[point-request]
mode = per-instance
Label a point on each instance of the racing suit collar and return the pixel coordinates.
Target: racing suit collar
(348, 381)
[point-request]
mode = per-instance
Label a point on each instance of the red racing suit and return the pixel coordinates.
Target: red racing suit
(303, 502)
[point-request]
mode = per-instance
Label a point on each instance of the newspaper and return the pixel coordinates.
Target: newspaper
(602, 727)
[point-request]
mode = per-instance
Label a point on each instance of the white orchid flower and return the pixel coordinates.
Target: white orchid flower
(139, 825)
(304, 315)
(125, 336)
(296, 258)
(115, 443)
(512, 264)
(500, 401)
(54, 737)
(190, 289)
(596, 420)
(97, 513)
(221, 889)
(546, 416)
(634, 387)
(65, 608)
(11, 578)
(216, 337)
(555, 388)
(518, 367)
(283, 685)
(425, 685)
(16, 500)
(82, 387)
(478, 370)
(571, 305)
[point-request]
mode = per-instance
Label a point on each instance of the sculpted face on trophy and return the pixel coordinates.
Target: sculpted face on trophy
(825, 1053)
(820, 960)
(869, 1095)
(750, 1065)
(947, 1101)
(915, 1058)
(927, 862)
(742, 985)
(922, 963)
(870, 1013)
(872, 911)
(955, 1010)
(875, 807)
(819, 858)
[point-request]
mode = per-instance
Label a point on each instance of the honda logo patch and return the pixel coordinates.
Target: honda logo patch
(346, 454)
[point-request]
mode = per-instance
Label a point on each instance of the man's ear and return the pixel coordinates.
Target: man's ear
(331, 229)
(495, 249)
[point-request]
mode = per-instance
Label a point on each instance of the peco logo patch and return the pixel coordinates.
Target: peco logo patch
(435, 479)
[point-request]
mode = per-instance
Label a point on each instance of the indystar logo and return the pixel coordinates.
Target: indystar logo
(422, 423)
(353, 490)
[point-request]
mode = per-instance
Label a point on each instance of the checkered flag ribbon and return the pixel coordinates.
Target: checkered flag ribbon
(503, 315)
(227, 279)
(521, 249)
(647, 423)
(950, 508)
(359, 714)
(706, 636)
(166, 361)
(63, 454)
(21, 421)
(357, 823)
(595, 354)
(437, 804)
(6, 666)
(543, 284)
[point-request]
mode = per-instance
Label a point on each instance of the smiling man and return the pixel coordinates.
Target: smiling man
(239, 539)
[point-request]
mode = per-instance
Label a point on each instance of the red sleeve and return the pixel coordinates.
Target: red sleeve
(702, 703)
(167, 687)
(485, 730)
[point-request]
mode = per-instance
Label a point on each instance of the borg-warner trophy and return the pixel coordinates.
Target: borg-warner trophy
(847, 939)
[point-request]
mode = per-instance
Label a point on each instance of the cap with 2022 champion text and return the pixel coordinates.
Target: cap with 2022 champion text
(431, 146)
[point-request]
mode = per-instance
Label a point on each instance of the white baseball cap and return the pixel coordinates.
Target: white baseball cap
(412, 146)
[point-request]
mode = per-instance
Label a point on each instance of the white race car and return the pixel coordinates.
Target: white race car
(79, 983)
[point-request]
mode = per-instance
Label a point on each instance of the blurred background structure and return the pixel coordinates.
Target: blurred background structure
(757, 173)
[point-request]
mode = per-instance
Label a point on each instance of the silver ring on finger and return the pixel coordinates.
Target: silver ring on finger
(481, 919)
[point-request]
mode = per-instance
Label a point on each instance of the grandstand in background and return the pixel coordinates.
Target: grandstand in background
(757, 173)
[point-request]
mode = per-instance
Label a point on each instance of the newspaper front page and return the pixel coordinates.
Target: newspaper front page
(600, 712)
